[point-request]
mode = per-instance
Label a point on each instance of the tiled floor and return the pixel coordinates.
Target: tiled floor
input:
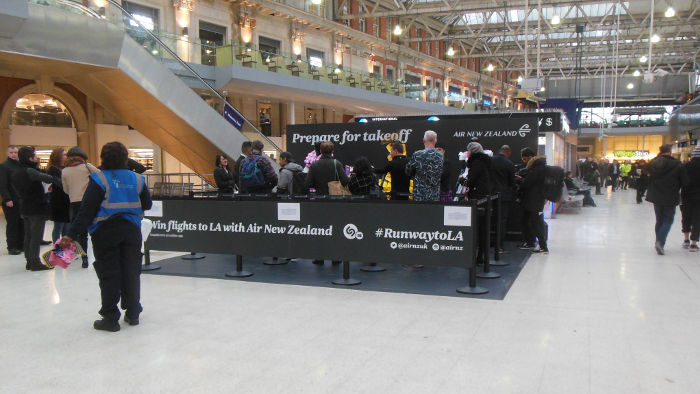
(601, 314)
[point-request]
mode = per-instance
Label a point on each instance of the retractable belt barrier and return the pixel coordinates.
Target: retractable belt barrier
(341, 229)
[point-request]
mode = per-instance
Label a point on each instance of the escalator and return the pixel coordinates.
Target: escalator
(126, 69)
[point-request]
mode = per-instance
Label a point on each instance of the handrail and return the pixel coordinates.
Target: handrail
(81, 7)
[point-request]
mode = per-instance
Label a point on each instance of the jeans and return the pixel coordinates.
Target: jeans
(664, 220)
(59, 229)
(117, 248)
(33, 235)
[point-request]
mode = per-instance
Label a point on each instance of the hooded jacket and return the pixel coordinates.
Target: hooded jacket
(286, 179)
(531, 188)
(478, 177)
(666, 177)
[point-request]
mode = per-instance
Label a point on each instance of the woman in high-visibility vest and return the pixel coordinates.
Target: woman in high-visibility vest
(111, 211)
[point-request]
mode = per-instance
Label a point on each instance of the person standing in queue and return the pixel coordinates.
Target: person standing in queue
(223, 177)
(478, 185)
(14, 229)
(396, 168)
(503, 182)
(58, 199)
(74, 179)
(690, 202)
(425, 167)
(532, 200)
(111, 211)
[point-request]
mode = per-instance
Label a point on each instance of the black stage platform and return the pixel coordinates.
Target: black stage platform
(442, 281)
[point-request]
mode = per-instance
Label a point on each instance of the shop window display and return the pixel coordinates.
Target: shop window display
(41, 110)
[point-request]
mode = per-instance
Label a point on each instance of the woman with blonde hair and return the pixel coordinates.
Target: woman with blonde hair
(59, 203)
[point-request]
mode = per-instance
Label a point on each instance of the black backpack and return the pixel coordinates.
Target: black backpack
(553, 183)
(298, 181)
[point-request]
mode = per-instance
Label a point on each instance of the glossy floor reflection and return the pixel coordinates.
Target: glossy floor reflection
(601, 314)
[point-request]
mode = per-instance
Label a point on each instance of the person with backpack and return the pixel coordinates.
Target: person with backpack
(532, 199)
(292, 176)
(256, 174)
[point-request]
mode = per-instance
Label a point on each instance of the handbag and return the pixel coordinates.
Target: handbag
(335, 188)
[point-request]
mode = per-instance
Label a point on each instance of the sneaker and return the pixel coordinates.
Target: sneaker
(14, 252)
(659, 248)
(540, 250)
(693, 248)
(106, 325)
(526, 246)
(131, 321)
(686, 243)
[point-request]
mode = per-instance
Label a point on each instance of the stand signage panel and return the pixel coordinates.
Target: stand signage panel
(371, 139)
(435, 234)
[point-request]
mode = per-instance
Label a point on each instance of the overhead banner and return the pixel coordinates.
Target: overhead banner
(370, 139)
(413, 233)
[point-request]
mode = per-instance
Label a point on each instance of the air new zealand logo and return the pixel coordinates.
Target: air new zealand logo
(524, 130)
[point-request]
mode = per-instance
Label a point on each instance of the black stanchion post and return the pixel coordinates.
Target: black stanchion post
(372, 267)
(193, 256)
(147, 266)
(487, 274)
(239, 273)
(499, 235)
(473, 288)
(346, 280)
(276, 261)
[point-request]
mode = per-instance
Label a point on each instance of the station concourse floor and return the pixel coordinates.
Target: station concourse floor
(602, 313)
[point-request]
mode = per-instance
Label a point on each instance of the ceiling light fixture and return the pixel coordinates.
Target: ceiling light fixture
(556, 20)
(398, 30)
(670, 12)
(630, 86)
(636, 73)
(450, 51)
(655, 38)
(489, 68)
(643, 59)
(316, 2)
(520, 78)
(542, 89)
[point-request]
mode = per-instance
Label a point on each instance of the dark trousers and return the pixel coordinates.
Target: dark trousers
(482, 249)
(641, 189)
(117, 249)
(33, 235)
(533, 228)
(506, 208)
(664, 220)
(690, 219)
(82, 238)
(14, 231)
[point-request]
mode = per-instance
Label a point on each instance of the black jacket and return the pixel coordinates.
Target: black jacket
(445, 177)
(691, 192)
(27, 182)
(6, 170)
(223, 177)
(324, 170)
(503, 177)
(397, 169)
(478, 177)
(531, 189)
(58, 200)
(666, 177)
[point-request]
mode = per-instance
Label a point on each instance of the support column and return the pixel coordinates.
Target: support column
(87, 139)
(4, 140)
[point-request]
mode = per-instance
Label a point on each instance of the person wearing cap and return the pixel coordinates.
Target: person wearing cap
(690, 202)
(74, 178)
(288, 167)
(666, 177)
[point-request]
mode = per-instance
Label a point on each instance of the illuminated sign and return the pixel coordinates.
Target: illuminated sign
(630, 153)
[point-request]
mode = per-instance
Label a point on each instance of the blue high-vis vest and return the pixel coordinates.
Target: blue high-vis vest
(122, 190)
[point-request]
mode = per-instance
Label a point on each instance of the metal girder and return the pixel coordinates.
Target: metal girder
(462, 7)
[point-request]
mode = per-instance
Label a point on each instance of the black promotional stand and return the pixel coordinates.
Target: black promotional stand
(147, 266)
(193, 256)
(239, 272)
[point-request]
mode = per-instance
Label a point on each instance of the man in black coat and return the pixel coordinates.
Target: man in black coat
(666, 177)
(503, 182)
(324, 170)
(396, 168)
(34, 205)
(14, 231)
(532, 200)
(690, 202)
(478, 185)
(246, 147)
